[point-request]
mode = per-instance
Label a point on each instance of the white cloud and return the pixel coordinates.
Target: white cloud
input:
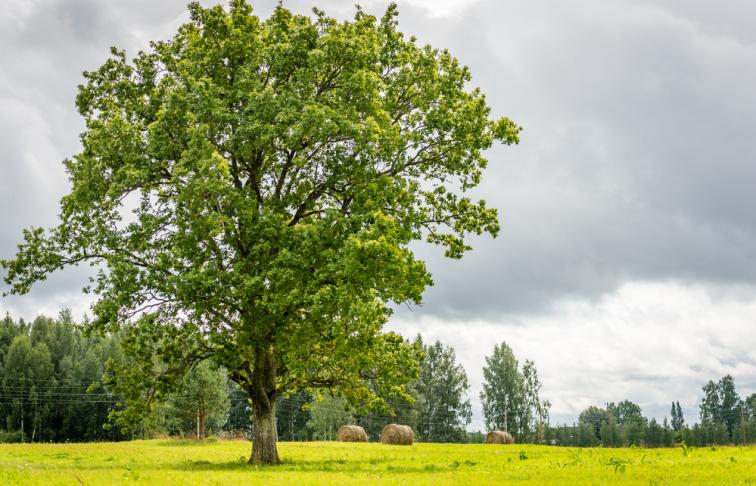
(440, 8)
(648, 342)
(16, 12)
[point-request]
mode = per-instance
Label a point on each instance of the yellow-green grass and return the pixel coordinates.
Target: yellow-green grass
(167, 462)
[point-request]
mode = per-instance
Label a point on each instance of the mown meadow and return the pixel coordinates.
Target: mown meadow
(174, 462)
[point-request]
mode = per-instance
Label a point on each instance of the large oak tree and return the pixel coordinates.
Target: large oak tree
(248, 191)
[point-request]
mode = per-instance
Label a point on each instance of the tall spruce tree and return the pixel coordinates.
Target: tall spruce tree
(678, 421)
(444, 411)
(249, 190)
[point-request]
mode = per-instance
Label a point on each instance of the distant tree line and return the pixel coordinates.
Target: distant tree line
(54, 386)
(49, 376)
(724, 418)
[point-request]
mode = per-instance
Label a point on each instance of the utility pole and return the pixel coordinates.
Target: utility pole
(742, 423)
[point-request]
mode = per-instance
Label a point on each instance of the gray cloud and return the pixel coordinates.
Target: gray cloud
(47, 45)
(635, 163)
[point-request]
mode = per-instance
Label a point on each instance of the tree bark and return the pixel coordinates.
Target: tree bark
(264, 435)
(262, 392)
(200, 424)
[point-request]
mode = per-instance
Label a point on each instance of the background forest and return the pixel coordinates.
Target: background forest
(53, 388)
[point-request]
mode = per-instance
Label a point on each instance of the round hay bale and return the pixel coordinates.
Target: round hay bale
(499, 437)
(351, 433)
(395, 434)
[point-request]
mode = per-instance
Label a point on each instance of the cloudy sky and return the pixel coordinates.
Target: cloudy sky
(626, 265)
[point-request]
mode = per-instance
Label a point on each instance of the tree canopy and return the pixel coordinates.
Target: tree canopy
(626, 412)
(248, 191)
(503, 396)
(445, 410)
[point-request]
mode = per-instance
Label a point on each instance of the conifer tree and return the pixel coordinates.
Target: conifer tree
(444, 410)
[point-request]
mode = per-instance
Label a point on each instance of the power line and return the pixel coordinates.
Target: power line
(288, 404)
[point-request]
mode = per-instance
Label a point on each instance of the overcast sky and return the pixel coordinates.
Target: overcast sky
(626, 264)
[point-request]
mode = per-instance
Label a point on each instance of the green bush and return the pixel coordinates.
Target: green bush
(16, 436)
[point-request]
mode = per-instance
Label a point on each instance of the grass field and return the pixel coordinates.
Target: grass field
(162, 462)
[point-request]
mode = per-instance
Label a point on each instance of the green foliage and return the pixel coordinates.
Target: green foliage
(8, 331)
(46, 369)
(27, 370)
(678, 420)
(539, 409)
(402, 410)
(720, 401)
(654, 435)
(11, 437)
(620, 424)
(730, 405)
(600, 426)
(238, 421)
(200, 404)
(292, 417)
(444, 411)
(476, 437)
(511, 397)
(721, 405)
(710, 409)
(749, 407)
(610, 433)
(626, 412)
(328, 414)
(593, 417)
(250, 189)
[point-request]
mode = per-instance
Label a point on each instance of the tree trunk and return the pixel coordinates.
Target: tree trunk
(259, 380)
(264, 435)
(200, 424)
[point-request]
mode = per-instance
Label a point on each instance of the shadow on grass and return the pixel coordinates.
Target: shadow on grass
(186, 443)
(286, 465)
(374, 464)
